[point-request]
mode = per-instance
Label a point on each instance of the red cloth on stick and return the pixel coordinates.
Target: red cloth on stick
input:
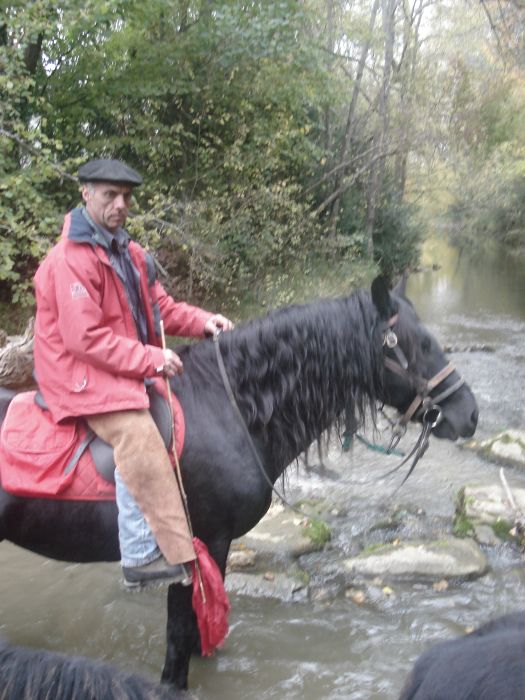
(212, 613)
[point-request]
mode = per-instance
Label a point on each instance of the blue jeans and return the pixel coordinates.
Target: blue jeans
(137, 543)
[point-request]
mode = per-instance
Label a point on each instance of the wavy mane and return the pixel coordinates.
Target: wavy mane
(36, 673)
(300, 370)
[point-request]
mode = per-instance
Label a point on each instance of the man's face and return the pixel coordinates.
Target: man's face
(107, 203)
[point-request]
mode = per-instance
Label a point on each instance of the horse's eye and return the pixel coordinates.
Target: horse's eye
(426, 344)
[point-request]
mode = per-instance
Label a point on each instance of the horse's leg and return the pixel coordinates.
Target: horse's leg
(182, 630)
(182, 635)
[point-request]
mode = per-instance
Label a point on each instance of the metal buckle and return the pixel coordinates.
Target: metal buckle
(433, 416)
(390, 339)
(398, 431)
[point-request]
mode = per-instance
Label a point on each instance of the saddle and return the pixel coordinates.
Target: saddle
(101, 452)
(68, 461)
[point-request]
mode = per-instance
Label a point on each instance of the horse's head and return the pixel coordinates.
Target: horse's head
(418, 379)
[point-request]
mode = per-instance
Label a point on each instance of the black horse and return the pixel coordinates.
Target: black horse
(294, 374)
(41, 675)
(484, 665)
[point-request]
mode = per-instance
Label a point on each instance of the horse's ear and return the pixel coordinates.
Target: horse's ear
(382, 298)
(401, 286)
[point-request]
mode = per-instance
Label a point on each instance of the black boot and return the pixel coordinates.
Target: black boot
(157, 570)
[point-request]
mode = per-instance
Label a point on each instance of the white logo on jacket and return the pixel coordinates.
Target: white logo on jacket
(78, 290)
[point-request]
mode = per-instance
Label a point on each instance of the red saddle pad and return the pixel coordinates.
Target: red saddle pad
(34, 453)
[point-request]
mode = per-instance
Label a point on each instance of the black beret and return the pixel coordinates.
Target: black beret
(108, 170)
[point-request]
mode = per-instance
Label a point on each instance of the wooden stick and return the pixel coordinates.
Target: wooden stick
(508, 491)
(519, 516)
(178, 473)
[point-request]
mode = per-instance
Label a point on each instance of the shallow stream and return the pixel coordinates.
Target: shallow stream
(326, 648)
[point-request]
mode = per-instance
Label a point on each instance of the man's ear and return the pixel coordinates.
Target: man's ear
(85, 192)
(382, 298)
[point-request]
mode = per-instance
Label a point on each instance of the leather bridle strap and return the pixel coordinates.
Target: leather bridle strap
(432, 415)
(390, 341)
(448, 392)
(422, 400)
(426, 386)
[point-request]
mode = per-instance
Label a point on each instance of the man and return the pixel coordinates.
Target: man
(97, 338)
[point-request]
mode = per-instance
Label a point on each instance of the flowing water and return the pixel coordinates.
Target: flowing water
(328, 647)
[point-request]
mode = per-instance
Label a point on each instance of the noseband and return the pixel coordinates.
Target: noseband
(423, 403)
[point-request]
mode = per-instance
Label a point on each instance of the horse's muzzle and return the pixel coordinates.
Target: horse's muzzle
(451, 428)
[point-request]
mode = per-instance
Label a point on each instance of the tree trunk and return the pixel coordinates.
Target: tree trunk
(407, 71)
(377, 171)
(32, 54)
(330, 46)
(16, 360)
(350, 120)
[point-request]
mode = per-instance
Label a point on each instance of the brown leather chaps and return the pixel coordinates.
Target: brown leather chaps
(146, 470)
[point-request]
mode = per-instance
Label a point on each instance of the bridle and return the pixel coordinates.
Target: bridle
(423, 403)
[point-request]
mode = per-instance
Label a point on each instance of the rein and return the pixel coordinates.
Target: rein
(235, 406)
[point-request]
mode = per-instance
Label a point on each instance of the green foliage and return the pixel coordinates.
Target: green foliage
(214, 108)
(502, 529)
(396, 239)
(462, 526)
(318, 532)
(485, 151)
(31, 163)
(488, 211)
(221, 106)
(397, 236)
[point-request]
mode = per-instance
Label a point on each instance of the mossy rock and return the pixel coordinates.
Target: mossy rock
(507, 448)
(479, 506)
(450, 558)
(318, 532)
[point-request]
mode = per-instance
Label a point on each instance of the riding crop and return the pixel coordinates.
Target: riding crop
(209, 600)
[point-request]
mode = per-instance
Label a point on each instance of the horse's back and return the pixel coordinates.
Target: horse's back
(485, 665)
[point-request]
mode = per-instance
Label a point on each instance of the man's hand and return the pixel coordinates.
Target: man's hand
(217, 322)
(172, 363)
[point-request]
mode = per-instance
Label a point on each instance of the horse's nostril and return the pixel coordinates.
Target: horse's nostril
(474, 416)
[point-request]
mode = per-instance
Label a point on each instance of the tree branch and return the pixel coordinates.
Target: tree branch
(349, 181)
(31, 149)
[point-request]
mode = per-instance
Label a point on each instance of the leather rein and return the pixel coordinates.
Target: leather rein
(423, 403)
(237, 410)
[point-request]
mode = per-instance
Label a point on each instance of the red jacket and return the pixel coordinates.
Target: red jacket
(88, 358)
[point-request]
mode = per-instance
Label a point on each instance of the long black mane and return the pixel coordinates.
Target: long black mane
(36, 673)
(299, 370)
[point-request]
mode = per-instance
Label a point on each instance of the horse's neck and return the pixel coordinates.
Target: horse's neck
(295, 372)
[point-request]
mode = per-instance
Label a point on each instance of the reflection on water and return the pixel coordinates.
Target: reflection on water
(333, 649)
(473, 303)
(463, 287)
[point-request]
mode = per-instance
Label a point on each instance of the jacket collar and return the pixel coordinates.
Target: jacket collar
(83, 229)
